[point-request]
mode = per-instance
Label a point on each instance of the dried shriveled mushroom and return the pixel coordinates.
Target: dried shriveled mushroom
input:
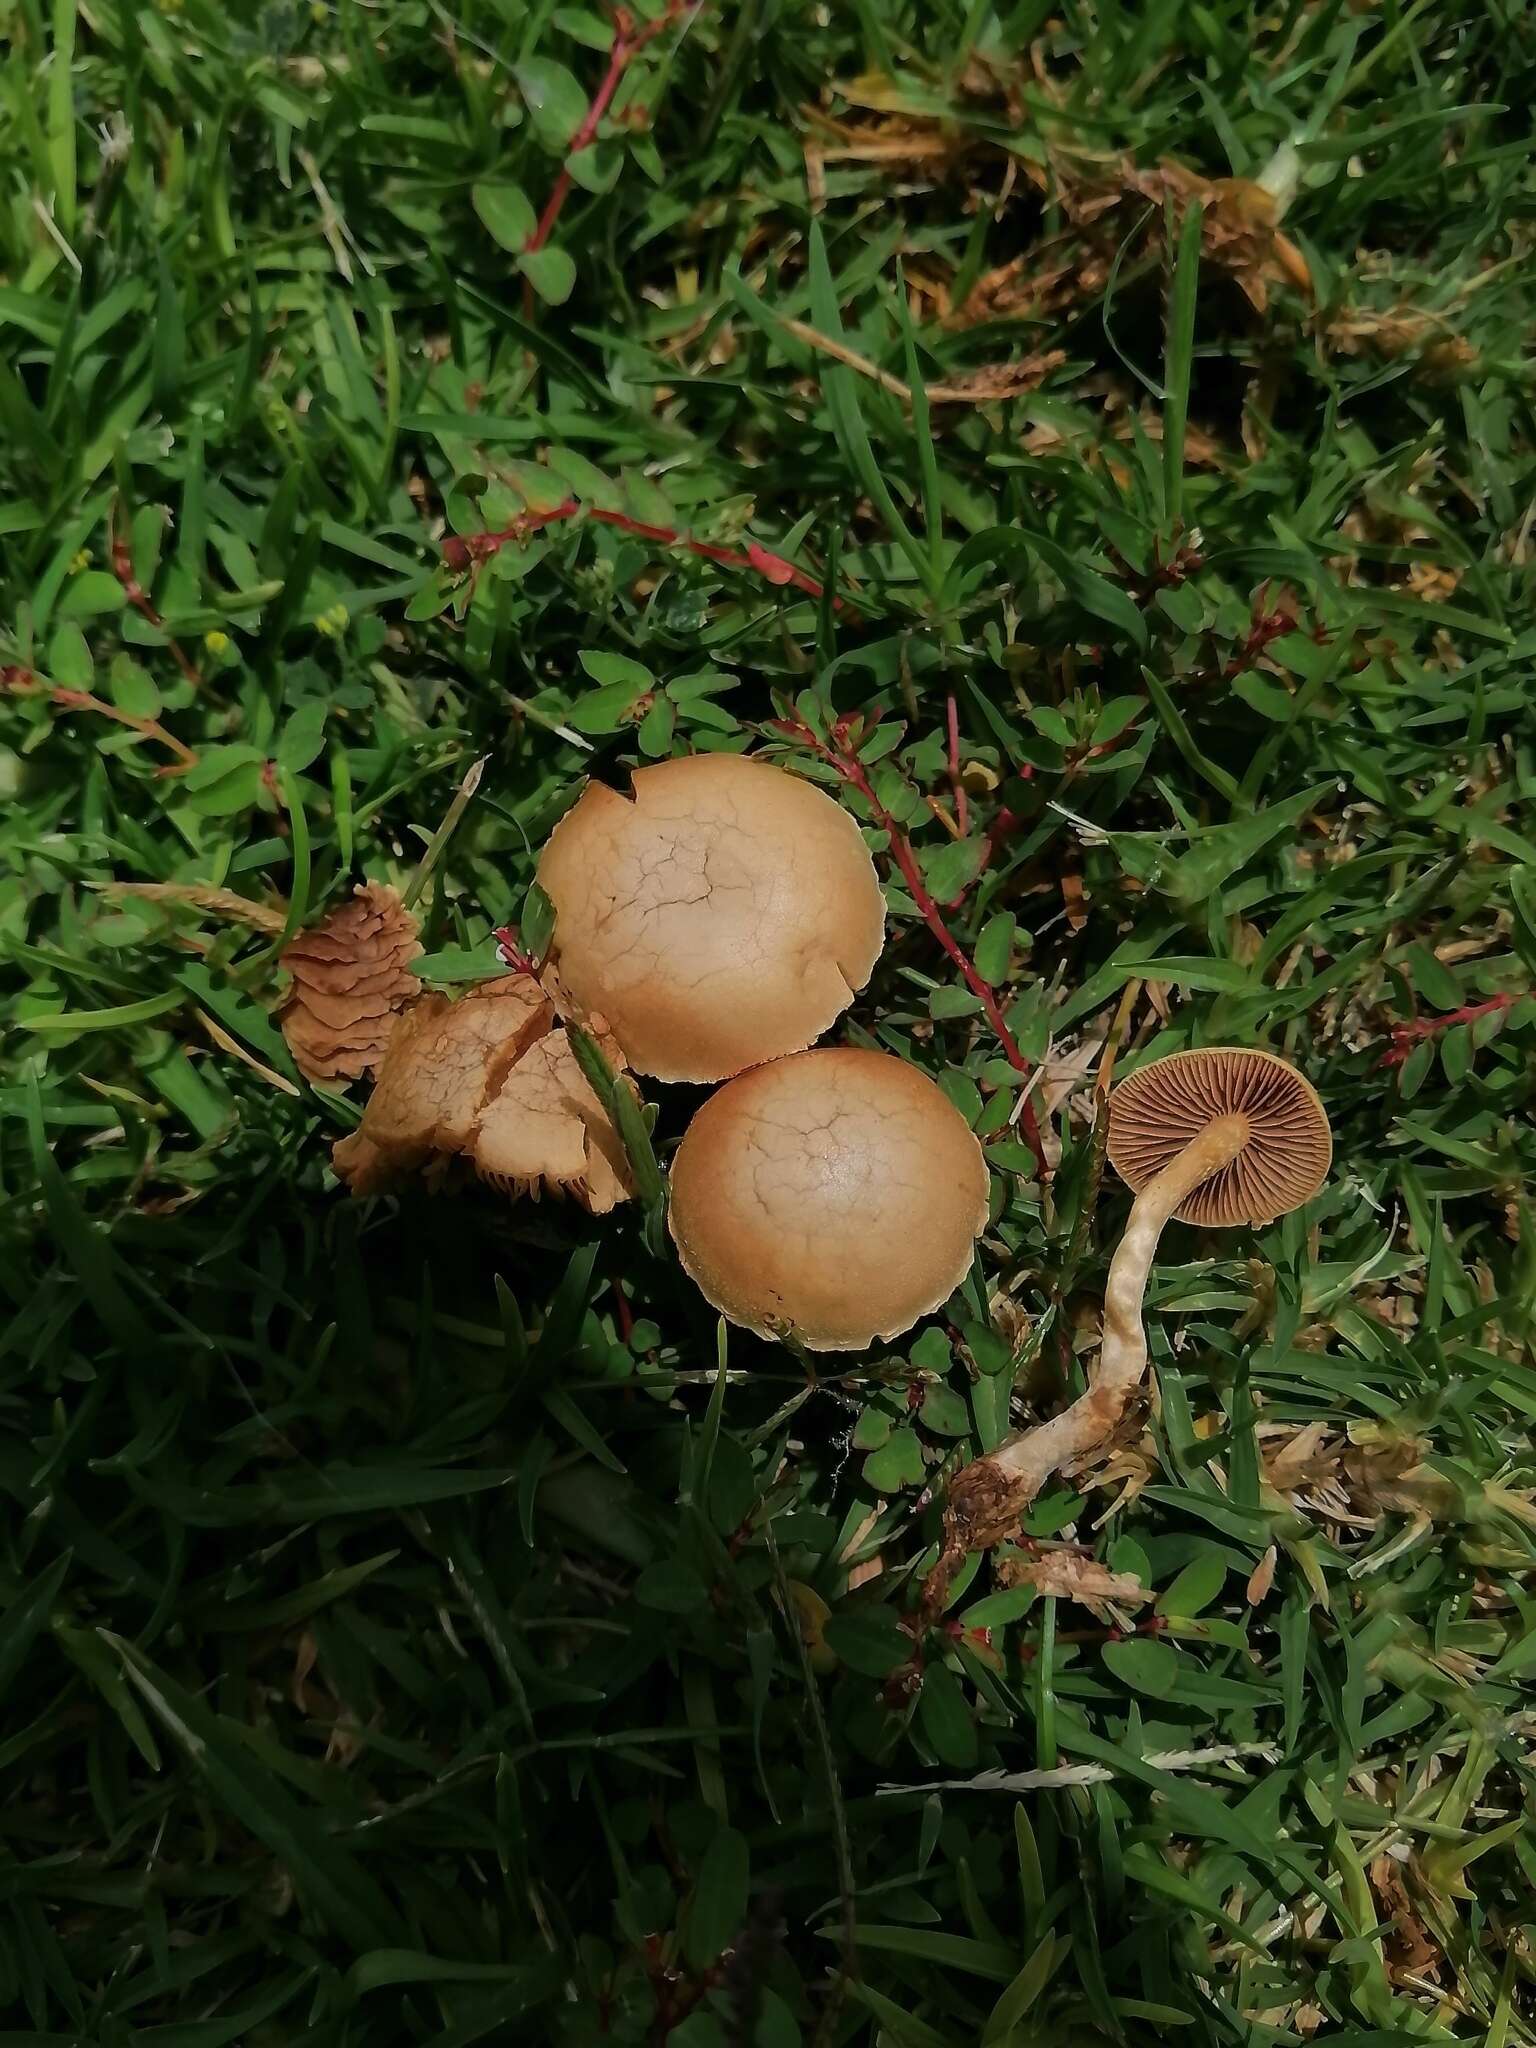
(724, 915)
(351, 979)
(834, 1195)
(492, 1079)
(1220, 1136)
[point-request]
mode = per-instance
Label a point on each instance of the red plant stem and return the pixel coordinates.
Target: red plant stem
(138, 597)
(461, 551)
(1149, 1625)
(23, 681)
(956, 781)
(1002, 828)
(623, 1313)
(851, 768)
(1406, 1036)
(509, 951)
(627, 41)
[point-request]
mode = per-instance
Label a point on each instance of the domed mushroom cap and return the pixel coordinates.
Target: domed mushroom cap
(723, 916)
(836, 1194)
(1284, 1161)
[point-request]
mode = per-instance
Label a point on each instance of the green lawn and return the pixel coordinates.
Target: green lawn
(418, 1622)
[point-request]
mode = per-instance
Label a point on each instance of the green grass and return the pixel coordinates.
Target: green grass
(393, 1649)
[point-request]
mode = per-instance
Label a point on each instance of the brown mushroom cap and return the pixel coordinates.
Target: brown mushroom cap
(1156, 1112)
(725, 915)
(836, 1193)
(493, 1080)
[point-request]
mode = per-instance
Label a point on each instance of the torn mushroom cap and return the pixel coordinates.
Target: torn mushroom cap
(835, 1195)
(724, 915)
(1287, 1146)
(492, 1079)
(545, 1127)
(437, 1070)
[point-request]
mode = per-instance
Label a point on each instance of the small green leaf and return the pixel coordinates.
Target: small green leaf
(873, 1429)
(870, 1641)
(597, 168)
(656, 728)
(605, 710)
(226, 780)
(69, 658)
(612, 669)
(1095, 593)
(898, 1463)
(719, 1904)
(556, 103)
(1144, 1665)
(303, 737)
(946, 1718)
(1433, 980)
(551, 271)
(994, 949)
(1196, 1586)
(949, 868)
(133, 688)
(585, 27)
(506, 213)
(945, 1413)
(953, 1002)
(536, 928)
(931, 1352)
(91, 593)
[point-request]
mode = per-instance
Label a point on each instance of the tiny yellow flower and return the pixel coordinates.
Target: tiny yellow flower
(79, 561)
(215, 642)
(334, 621)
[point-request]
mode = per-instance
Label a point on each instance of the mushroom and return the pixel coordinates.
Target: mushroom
(437, 1071)
(544, 1127)
(833, 1197)
(1220, 1136)
(493, 1080)
(724, 914)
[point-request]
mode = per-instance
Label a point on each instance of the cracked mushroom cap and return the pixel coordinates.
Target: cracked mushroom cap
(1284, 1161)
(836, 1194)
(724, 915)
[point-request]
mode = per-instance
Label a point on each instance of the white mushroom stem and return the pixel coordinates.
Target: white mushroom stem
(989, 1496)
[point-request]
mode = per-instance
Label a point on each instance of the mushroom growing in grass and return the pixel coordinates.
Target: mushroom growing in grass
(723, 914)
(492, 1080)
(833, 1198)
(1220, 1136)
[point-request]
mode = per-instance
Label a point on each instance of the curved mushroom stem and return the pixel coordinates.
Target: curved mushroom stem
(987, 1500)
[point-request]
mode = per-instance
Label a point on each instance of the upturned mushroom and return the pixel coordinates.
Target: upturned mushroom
(722, 915)
(833, 1197)
(1221, 1136)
